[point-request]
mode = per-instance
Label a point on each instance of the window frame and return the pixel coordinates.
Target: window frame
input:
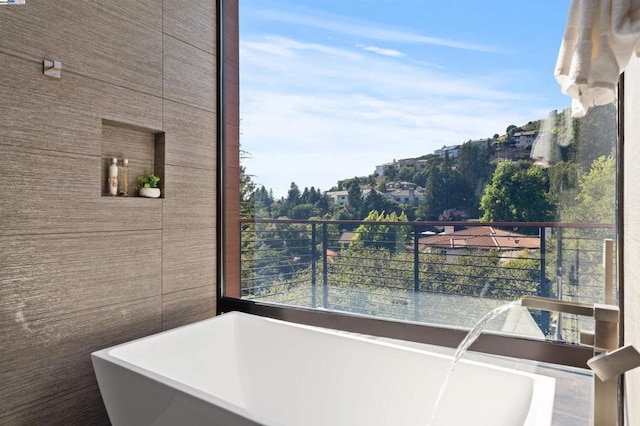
(228, 236)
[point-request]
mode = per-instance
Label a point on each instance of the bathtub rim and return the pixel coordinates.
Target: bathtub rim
(104, 355)
(540, 407)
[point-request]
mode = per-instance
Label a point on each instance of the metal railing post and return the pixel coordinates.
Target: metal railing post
(543, 260)
(543, 289)
(325, 274)
(314, 257)
(559, 271)
(416, 275)
(607, 263)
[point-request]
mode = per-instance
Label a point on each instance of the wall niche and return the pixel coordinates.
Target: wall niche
(144, 148)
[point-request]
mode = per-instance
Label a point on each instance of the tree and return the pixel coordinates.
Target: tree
(511, 130)
(597, 134)
(445, 189)
(406, 173)
(453, 215)
(302, 211)
(595, 201)
(354, 197)
(517, 193)
(391, 173)
(563, 185)
(293, 195)
(377, 201)
(247, 188)
(263, 201)
(390, 237)
(474, 166)
(323, 204)
(373, 201)
(314, 196)
(382, 184)
(304, 197)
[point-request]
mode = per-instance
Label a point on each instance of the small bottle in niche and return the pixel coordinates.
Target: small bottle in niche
(112, 182)
(123, 178)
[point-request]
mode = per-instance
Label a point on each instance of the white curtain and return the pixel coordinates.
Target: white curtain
(600, 37)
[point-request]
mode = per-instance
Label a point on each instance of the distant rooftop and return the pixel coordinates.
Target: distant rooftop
(481, 237)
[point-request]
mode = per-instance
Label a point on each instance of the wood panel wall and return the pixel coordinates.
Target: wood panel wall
(80, 271)
(231, 149)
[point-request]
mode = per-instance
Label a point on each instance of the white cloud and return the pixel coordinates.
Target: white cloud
(382, 51)
(366, 30)
(282, 46)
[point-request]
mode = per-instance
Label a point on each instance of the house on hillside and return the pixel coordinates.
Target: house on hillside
(455, 243)
(404, 192)
(341, 198)
(524, 139)
(408, 195)
(390, 186)
(338, 198)
(397, 164)
(452, 151)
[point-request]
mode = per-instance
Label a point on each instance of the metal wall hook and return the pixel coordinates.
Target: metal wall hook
(52, 68)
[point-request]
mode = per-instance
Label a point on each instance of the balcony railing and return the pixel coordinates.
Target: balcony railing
(442, 273)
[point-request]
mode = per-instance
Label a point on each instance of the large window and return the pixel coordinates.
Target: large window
(415, 162)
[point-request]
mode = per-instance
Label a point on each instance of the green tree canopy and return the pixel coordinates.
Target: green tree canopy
(390, 237)
(595, 201)
(375, 201)
(354, 197)
(302, 211)
(475, 168)
(517, 193)
(445, 189)
(597, 134)
(293, 195)
(563, 184)
(247, 188)
(406, 173)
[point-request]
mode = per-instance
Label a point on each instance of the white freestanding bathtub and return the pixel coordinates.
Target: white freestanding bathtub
(240, 369)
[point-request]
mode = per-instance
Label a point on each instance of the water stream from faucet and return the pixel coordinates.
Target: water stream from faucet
(471, 337)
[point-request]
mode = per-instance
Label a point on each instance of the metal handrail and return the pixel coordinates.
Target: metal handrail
(590, 225)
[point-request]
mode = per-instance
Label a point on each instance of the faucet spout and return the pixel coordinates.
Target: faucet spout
(612, 364)
(564, 306)
(606, 318)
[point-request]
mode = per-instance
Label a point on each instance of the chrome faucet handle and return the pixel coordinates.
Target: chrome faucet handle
(612, 364)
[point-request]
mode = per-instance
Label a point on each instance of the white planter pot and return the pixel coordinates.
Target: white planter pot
(150, 192)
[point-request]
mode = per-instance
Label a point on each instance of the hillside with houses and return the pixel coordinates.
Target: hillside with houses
(545, 157)
(506, 147)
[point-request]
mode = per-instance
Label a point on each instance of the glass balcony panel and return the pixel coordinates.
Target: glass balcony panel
(450, 276)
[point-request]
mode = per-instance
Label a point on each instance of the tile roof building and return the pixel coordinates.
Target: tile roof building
(510, 244)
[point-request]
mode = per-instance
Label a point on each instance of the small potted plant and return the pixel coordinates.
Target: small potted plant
(148, 185)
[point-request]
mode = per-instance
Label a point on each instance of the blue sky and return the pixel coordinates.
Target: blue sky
(331, 88)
